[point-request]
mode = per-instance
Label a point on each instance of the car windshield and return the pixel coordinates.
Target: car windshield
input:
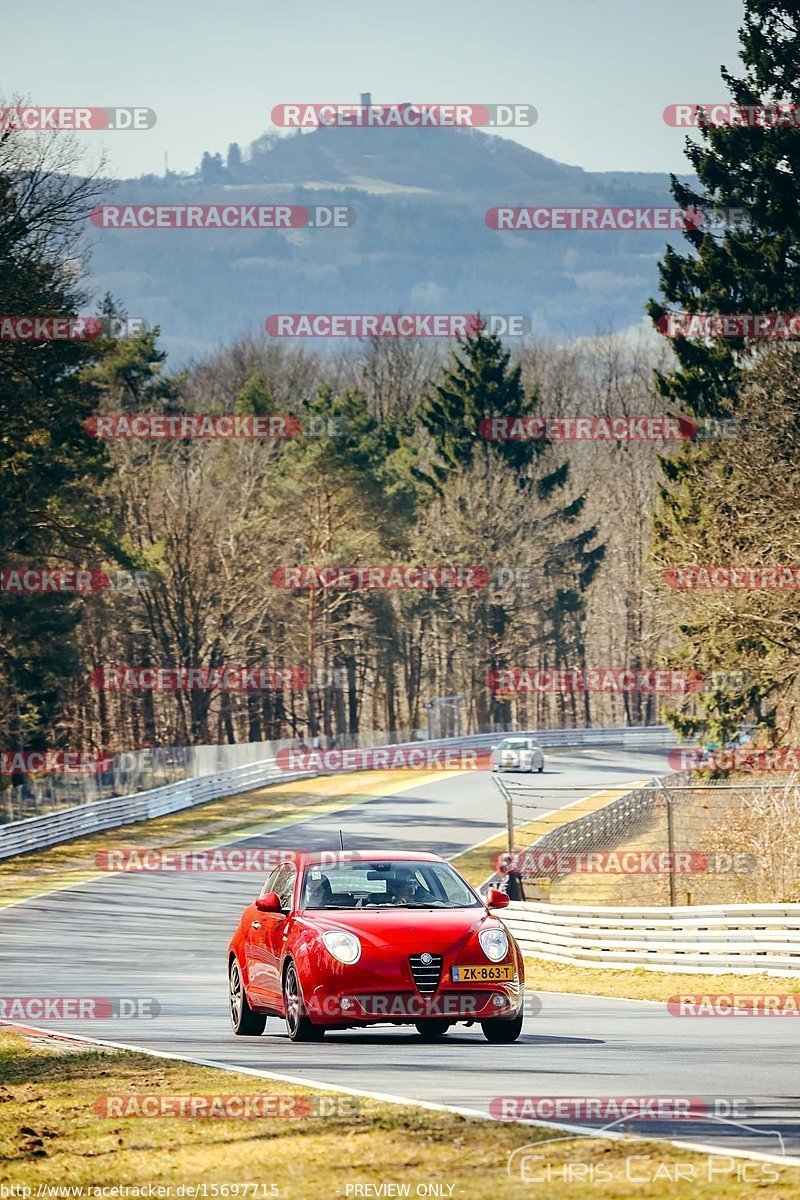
(514, 744)
(376, 884)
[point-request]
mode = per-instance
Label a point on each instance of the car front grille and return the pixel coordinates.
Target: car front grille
(426, 975)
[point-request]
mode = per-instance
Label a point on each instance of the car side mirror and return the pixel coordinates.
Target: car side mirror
(271, 902)
(496, 899)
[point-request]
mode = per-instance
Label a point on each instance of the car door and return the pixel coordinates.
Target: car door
(254, 951)
(273, 933)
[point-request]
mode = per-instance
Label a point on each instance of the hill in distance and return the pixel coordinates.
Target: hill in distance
(419, 242)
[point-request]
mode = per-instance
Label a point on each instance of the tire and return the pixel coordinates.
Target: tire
(244, 1021)
(298, 1026)
(541, 768)
(502, 1032)
(431, 1030)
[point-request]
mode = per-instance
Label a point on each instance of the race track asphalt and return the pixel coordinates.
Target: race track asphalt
(165, 936)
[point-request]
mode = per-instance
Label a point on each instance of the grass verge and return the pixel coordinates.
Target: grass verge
(638, 984)
(51, 1134)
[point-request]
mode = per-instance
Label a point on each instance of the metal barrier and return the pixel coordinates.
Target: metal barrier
(708, 939)
(37, 833)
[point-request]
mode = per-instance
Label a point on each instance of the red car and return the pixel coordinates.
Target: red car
(337, 940)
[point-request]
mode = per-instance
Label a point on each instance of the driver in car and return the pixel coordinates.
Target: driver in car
(403, 889)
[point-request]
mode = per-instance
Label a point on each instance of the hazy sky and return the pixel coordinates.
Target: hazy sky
(600, 72)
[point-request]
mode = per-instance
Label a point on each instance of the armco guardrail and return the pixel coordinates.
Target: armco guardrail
(37, 833)
(708, 939)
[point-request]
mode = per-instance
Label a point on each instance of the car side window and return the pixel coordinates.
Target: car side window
(283, 885)
(269, 886)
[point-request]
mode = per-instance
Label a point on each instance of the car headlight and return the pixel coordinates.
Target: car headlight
(494, 943)
(343, 946)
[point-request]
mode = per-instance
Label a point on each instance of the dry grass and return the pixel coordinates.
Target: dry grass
(50, 1133)
(639, 984)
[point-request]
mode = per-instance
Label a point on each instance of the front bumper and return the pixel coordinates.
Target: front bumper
(516, 764)
(357, 1005)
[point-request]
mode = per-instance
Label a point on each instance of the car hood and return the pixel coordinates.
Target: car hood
(423, 928)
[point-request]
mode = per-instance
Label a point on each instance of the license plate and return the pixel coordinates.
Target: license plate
(482, 974)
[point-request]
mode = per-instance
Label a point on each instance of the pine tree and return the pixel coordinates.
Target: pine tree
(480, 384)
(51, 468)
(129, 374)
(754, 268)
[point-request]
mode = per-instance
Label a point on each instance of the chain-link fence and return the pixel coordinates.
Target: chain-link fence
(667, 841)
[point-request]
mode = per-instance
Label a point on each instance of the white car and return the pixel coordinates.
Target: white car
(517, 754)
